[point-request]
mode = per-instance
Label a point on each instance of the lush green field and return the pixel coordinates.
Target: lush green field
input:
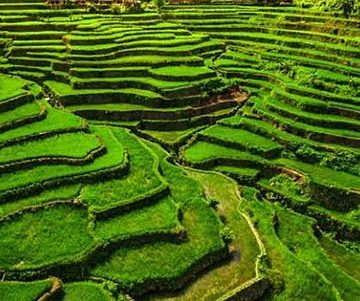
(200, 151)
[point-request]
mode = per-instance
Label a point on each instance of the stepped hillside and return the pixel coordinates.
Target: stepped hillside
(197, 151)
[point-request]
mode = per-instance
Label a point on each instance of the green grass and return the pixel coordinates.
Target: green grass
(66, 145)
(24, 291)
(204, 151)
(62, 193)
(32, 238)
(296, 233)
(144, 166)
(172, 137)
(323, 175)
(244, 138)
(350, 217)
(113, 157)
(301, 281)
(288, 186)
(241, 171)
(237, 271)
(159, 217)
(11, 87)
(348, 260)
(86, 291)
(56, 120)
(166, 260)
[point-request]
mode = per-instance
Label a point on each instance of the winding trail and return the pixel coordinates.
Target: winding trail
(246, 286)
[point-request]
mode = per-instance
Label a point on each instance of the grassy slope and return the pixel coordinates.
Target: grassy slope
(349, 261)
(244, 247)
(62, 193)
(11, 87)
(296, 232)
(294, 279)
(85, 291)
(113, 157)
(161, 216)
(306, 277)
(23, 291)
(32, 239)
(66, 145)
(56, 120)
(143, 166)
(166, 260)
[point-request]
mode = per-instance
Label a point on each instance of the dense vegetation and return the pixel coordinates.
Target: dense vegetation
(187, 151)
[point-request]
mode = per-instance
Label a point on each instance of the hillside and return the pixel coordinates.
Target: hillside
(193, 151)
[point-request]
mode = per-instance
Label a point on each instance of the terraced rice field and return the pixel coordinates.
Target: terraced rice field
(197, 152)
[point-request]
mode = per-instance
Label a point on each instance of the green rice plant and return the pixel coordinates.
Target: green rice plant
(13, 86)
(168, 261)
(287, 268)
(344, 257)
(24, 291)
(159, 217)
(87, 291)
(247, 140)
(130, 219)
(225, 278)
(203, 151)
(124, 191)
(296, 233)
(66, 145)
(19, 113)
(56, 121)
(326, 176)
(65, 193)
(41, 230)
(114, 157)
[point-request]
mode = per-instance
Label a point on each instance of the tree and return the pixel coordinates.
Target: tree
(347, 7)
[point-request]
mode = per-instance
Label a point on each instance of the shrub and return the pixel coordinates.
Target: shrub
(127, 7)
(117, 9)
(68, 4)
(341, 160)
(347, 7)
(158, 4)
(111, 287)
(227, 235)
(213, 86)
(338, 160)
(91, 8)
(213, 203)
(307, 154)
(355, 214)
(138, 8)
(286, 184)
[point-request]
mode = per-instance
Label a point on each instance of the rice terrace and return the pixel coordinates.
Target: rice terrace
(166, 150)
